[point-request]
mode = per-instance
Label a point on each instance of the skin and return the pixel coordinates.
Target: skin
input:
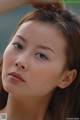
(7, 5)
(41, 68)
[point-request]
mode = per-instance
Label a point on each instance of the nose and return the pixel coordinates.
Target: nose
(21, 65)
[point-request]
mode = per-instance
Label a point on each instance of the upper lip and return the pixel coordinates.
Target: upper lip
(17, 75)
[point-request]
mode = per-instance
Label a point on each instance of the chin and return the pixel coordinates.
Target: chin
(9, 88)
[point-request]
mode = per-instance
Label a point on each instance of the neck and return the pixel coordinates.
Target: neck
(31, 108)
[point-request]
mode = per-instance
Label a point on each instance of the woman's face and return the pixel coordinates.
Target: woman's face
(37, 54)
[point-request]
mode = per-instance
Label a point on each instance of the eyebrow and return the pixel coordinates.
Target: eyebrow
(21, 38)
(40, 46)
(46, 47)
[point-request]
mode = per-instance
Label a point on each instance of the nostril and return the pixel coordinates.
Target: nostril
(16, 64)
(19, 65)
(23, 67)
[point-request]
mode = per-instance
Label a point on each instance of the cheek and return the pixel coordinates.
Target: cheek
(46, 76)
(8, 55)
(49, 76)
(7, 59)
(51, 71)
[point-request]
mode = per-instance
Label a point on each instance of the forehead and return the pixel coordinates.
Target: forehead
(40, 28)
(41, 32)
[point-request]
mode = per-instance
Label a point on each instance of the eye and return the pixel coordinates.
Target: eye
(42, 56)
(18, 45)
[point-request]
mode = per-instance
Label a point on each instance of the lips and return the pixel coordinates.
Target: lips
(16, 76)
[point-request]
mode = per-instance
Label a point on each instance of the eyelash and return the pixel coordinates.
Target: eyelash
(42, 56)
(18, 46)
(38, 55)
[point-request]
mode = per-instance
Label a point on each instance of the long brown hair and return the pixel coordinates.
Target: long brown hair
(65, 103)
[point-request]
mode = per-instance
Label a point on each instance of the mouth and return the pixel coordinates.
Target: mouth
(16, 77)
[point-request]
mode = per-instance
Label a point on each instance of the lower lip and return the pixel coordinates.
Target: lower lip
(15, 79)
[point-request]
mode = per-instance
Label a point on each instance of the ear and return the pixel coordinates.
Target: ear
(68, 78)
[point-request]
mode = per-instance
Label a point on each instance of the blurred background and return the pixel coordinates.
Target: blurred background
(9, 20)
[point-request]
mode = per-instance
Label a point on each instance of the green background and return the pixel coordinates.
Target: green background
(72, 1)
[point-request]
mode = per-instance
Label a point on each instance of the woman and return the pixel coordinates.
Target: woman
(6, 5)
(41, 68)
